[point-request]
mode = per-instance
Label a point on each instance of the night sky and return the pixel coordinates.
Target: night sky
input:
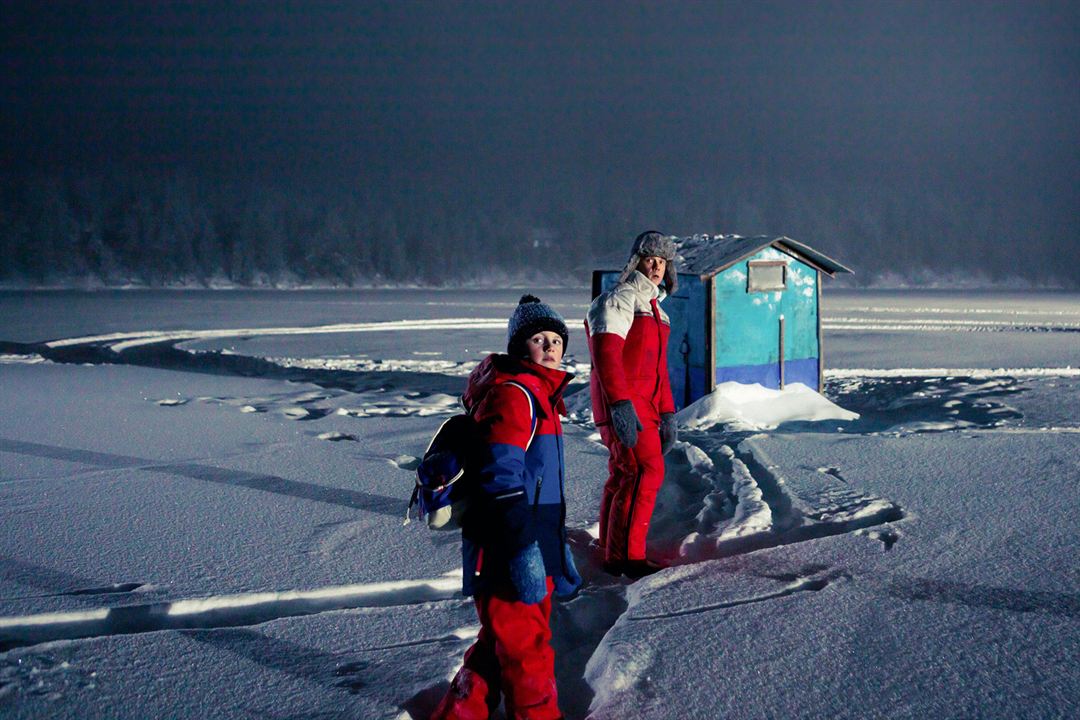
(966, 96)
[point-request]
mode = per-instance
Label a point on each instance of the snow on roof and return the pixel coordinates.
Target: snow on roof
(708, 255)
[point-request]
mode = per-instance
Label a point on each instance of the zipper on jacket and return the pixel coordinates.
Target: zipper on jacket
(536, 499)
(659, 346)
(562, 510)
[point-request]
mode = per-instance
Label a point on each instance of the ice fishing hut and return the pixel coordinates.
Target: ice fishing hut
(746, 309)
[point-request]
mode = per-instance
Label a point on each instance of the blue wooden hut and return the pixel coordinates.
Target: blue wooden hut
(746, 309)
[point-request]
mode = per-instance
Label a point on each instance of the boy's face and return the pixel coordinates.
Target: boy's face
(545, 348)
(653, 267)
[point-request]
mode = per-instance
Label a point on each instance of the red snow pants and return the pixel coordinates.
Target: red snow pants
(512, 655)
(634, 478)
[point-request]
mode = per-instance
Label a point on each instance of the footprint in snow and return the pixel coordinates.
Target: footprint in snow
(352, 675)
(834, 472)
(336, 436)
(886, 536)
(406, 462)
(296, 412)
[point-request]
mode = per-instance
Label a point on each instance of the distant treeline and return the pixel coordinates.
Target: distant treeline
(173, 227)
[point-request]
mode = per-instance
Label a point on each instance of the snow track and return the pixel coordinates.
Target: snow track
(344, 497)
(928, 325)
(800, 583)
(222, 611)
(753, 506)
(120, 342)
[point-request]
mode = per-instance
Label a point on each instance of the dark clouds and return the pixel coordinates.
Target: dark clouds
(675, 81)
(972, 97)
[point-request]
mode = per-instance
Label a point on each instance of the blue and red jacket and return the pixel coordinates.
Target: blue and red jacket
(521, 495)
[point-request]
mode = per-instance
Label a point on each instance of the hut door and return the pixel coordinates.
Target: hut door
(678, 349)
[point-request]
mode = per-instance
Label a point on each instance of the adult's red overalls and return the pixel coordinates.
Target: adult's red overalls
(628, 336)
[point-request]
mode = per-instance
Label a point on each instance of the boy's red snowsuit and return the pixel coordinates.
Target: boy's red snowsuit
(520, 501)
(628, 336)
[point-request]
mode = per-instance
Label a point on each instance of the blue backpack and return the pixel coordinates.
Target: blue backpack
(447, 471)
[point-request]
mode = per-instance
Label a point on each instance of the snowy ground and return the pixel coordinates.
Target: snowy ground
(202, 497)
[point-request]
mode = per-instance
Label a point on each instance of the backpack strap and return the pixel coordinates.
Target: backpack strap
(532, 434)
(532, 410)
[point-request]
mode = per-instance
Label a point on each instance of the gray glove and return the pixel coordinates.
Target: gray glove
(625, 423)
(669, 432)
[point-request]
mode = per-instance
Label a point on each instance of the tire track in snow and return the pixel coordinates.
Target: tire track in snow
(345, 497)
(766, 512)
(829, 511)
(409, 390)
(801, 584)
(120, 342)
(221, 611)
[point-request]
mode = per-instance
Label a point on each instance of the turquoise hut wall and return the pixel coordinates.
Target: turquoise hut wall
(747, 341)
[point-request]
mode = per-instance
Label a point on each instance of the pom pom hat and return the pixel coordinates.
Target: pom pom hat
(530, 317)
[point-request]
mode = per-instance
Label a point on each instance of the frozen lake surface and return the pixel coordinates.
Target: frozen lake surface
(869, 328)
(202, 495)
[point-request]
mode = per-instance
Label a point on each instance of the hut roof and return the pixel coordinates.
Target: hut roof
(707, 255)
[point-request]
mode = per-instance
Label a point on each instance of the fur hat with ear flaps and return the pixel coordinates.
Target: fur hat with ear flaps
(530, 317)
(652, 243)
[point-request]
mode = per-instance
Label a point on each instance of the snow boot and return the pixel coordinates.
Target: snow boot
(633, 569)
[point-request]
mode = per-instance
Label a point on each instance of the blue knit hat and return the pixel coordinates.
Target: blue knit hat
(530, 317)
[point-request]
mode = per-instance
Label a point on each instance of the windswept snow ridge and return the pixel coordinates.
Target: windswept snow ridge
(21, 359)
(974, 373)
(934, 325)
(375, 387)
(221, 611)
(932, 310)
(119, 342)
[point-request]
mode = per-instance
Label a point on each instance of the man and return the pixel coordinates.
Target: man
(631, 399)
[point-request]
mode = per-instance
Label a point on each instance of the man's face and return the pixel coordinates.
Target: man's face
(653, 267)
(545, 348)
